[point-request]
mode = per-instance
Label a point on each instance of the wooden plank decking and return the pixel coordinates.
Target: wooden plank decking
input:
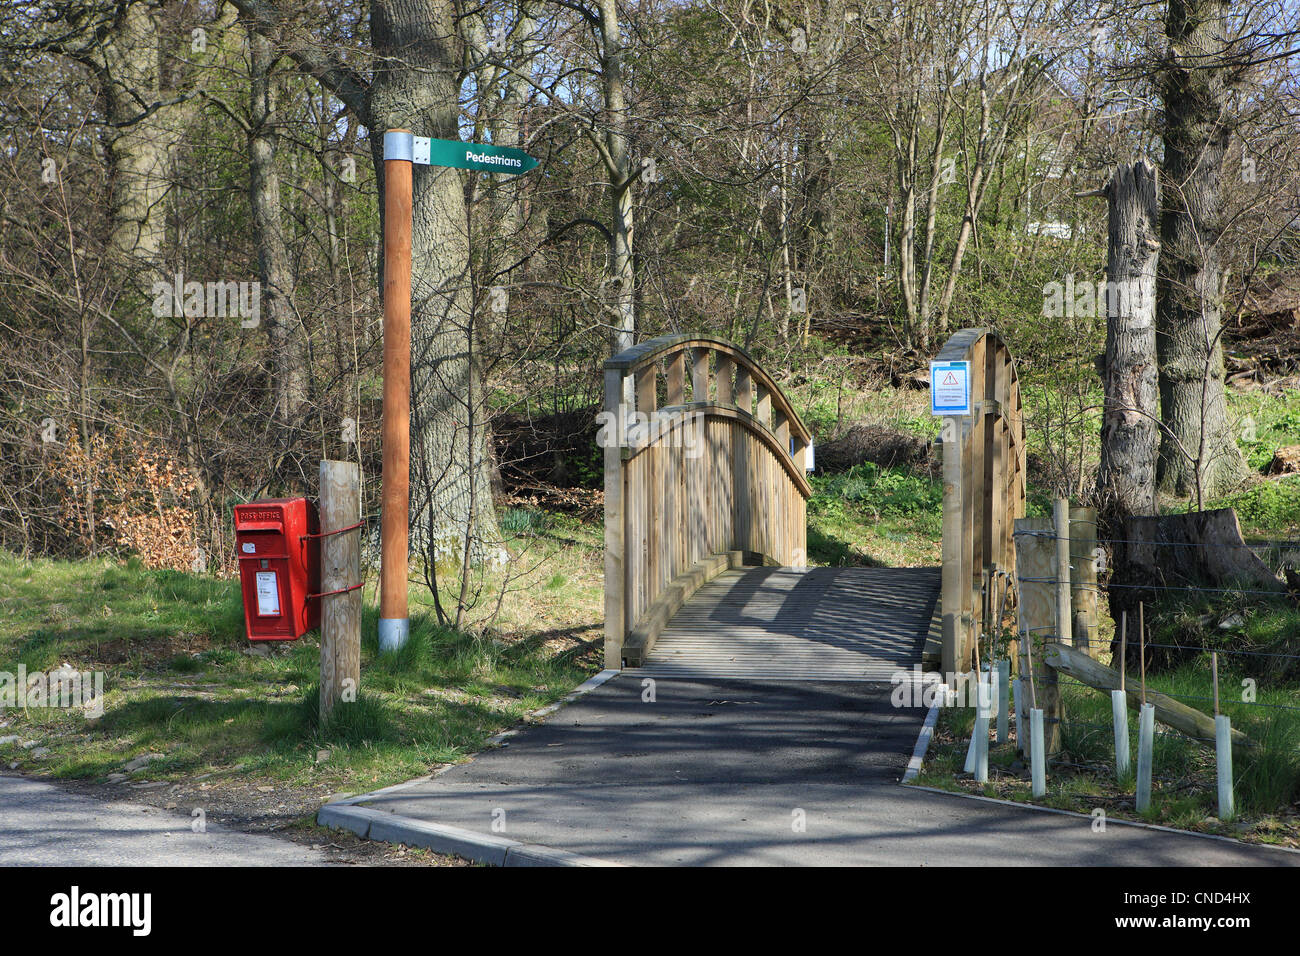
(859, 624)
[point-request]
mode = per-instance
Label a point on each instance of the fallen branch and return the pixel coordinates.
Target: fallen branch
(1172, 713)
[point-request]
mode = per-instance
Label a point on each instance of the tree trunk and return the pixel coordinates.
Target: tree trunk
(416, 53)
(787, 278)
(283, 329)
(621, 267)
(503, 116)
(139, 134)
(414, 87)
(1199, 453)
(1129, 431)
(1197, 550)
(987, 158)
(916, 277)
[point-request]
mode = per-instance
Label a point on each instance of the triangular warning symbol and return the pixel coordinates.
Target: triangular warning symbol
(950, 379)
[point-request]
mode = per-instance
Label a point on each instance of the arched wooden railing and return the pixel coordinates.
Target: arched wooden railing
(707, 474)
(983, 488)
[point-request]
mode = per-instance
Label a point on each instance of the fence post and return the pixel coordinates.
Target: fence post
(340, 628)
(1004, 679)
(1119, 719)
(1064, 613)
(1037, 761)
(1146, 722)
(1018, 704)
(1083, 578)
(1146, 743)
(1222, 748)
(615, 522)
(1035, 584)
(1223, 760)
(1119, 706)
(982, 707)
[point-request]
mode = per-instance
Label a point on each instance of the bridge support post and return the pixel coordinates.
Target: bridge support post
(615, 487)
(953, 659)
(983, 490)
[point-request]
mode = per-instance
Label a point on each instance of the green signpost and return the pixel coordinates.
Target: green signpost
(454, 153)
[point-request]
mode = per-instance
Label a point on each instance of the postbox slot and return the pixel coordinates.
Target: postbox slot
(262, 544)
(259, 526)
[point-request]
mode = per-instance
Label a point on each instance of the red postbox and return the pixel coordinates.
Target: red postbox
(278, 546)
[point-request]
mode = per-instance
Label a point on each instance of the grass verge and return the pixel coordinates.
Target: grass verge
(185, 689)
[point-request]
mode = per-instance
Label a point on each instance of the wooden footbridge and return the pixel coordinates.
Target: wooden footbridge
(706, 571)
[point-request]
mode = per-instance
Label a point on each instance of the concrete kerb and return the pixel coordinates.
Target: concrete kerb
(923, 746)
(378, 825)
(922, 742)
(440, 838)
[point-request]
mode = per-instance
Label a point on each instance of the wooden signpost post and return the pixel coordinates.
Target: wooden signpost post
(395, 494)
(402, 151)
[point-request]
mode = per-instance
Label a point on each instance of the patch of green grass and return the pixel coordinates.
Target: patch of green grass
(871, 515)
(523, 521)
(52, 611)
(1265, 421)
(1267, 507)
(1262, 634)
(895, 492)
(1268, 777)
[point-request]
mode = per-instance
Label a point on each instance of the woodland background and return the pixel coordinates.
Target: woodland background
(836, 186)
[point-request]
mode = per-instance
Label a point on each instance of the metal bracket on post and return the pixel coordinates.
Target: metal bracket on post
(399, 144)
(393, 632)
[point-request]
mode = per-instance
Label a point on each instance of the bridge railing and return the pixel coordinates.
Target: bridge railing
(704, 470)
(983, 489)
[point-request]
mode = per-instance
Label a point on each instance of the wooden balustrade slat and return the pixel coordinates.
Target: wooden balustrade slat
(700, 375)
(726, 367)
(676, 394)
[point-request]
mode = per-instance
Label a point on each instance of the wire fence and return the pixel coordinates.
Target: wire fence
(1225, 667)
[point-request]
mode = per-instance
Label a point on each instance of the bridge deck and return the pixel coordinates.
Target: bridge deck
(799, 624)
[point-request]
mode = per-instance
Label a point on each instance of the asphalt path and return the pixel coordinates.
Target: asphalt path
(735, 772)
(678, 772)
(42, 824)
